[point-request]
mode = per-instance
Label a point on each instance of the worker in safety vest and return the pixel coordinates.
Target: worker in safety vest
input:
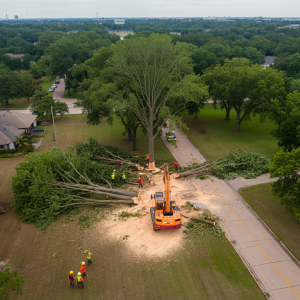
(88, 256)
(71, 278)
(123, 178)
(140, 182)
(175, 165)
(79, 280)
(82, 269)
(118, 164)
(148, 158)
(113, 176)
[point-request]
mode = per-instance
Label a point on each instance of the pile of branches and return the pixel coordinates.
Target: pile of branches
(236, 163)
(106, 153)
(54, 182)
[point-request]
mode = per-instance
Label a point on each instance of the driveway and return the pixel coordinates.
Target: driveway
(274, 268)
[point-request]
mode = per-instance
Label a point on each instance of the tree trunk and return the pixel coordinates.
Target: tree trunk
(129, 137)
(196, 114)
(69, 93)
(151, 151)
(227, 114)
(133, 139)
(237, 128)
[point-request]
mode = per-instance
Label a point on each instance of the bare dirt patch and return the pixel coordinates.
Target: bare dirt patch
(137, 233)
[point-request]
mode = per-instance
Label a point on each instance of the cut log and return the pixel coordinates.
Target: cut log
(200, 220)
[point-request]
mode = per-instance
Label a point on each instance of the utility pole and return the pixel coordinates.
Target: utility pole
(54, 126)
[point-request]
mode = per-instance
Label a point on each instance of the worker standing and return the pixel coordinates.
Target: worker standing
(113, 178)
(175, 165)
(82, 269)
(148, 158)
(89, 256)
(124, 178)
(71, 278)
(118, 164)
(79, 280)
(140, 182)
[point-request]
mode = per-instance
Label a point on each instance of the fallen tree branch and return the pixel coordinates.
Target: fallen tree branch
(200, 220)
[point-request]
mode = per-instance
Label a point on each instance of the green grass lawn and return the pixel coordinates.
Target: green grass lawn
(215, 137)
(21, 103)
(274, 214)
(74, 128)
(46, 84)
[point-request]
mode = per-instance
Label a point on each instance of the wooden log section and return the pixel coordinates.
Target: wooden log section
(200, 220)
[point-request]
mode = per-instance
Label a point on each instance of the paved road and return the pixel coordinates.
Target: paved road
(58, 94)
(275, 269)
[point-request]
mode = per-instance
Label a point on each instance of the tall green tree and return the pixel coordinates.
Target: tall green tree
(154, 67)
(27, 84)
(247, 89)
(287, 118)
(64, 54)
(43, 106)
(11, 85)
(285, 167)
(61, 108)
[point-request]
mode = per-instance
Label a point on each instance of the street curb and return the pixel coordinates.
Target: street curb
(269, 230)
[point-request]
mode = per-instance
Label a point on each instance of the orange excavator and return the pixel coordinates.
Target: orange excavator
(165, 214)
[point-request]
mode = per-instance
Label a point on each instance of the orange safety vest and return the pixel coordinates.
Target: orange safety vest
(147, 156)
(82, 269)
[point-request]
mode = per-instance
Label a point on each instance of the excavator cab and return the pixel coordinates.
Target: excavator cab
(165, 214)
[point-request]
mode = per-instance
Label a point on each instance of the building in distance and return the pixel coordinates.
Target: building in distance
(119, 21)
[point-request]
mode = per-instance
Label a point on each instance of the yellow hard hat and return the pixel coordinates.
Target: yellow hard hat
(83, 263)
(71, 272)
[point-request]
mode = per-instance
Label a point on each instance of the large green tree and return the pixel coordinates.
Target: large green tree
(247, 89)
(285, 167)
(287, 118)
(64, 54)
(11, 85)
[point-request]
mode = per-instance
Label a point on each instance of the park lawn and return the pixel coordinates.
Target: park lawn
(215, 137)
(21, 103)
(46, 84)
(274, 214)
(206, 267)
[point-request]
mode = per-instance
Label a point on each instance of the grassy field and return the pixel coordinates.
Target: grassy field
(46, 84)
(216, 137)
(274, 214)
(123, 33)
(21, 103)
(206, 267)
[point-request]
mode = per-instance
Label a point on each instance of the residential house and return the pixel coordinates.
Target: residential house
(12, 125)
(269, 60)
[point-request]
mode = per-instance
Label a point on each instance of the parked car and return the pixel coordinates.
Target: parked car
(170, 135)
(56, 82)
(51, 90)
(54, 85)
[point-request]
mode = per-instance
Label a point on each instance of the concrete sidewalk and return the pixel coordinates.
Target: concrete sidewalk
(273, 267)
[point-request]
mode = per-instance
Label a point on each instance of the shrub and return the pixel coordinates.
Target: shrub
(12, 151)
(2, 151)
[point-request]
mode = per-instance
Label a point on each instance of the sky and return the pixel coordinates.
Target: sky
(150, 8)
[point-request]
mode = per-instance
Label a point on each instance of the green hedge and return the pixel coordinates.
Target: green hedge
(2, 151)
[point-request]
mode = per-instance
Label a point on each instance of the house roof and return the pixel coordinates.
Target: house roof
(269, 60)
(8, 134)
(14, 118)
(14, 55)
